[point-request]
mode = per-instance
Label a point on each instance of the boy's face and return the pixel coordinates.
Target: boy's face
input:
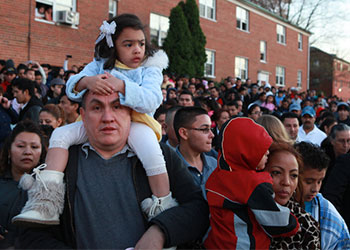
(263, 161)
(311, 180)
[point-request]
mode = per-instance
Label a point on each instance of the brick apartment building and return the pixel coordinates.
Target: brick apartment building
(243, 40)
(329, 74)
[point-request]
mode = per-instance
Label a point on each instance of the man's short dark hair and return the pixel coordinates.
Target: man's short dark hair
(24, 84)
(161, 110)
(289, 115)
(186, 92)
(313, 156)
(46, 65)
(185, 116)
(28, 69)
(233, 103)
(217, 88)
(80, 104)
(21, 66)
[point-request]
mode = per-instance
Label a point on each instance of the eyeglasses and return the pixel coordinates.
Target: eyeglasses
(257, 113)
(203, 130)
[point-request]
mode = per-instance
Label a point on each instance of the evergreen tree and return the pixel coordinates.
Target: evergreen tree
(198, 39)
(178, 44)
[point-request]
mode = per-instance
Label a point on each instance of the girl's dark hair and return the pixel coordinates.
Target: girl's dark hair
(251, 108)
(123, 21)
(23, 126)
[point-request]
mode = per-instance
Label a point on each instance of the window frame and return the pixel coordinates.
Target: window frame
(211, 64)
(114, 11)
(264, 53)
(159, 38)
(203, 5)
(238, 71)
(281, 36)
(56, 6)
(239, 21)
(299, 78)
(300, 41)
(280, 76)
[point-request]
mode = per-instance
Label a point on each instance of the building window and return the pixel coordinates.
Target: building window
(242, 16)
(281, 34)
(59, 11)
(299, 80)
(262, 51)
(209, 67)
(280, 75)
(159, 26)
(341, 67)
(300, 41)
(207, 8)
(112, 9)
(241, 67)
(316, 63)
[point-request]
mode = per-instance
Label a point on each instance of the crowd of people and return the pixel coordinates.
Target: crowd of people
(120, 154)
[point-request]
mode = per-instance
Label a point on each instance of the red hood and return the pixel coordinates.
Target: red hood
(244, 143)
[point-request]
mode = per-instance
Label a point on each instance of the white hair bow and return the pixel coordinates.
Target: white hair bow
(106, 30)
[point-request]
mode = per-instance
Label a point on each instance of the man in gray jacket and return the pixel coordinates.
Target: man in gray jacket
(105, 184)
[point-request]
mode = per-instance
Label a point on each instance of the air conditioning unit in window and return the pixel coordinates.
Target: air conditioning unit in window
(67, 17)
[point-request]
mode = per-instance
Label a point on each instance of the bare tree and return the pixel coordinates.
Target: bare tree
(320, 17)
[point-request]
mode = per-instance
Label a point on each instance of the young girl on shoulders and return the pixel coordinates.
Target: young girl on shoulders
(124, 62)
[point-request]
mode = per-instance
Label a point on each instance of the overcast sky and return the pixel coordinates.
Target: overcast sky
(332, 33)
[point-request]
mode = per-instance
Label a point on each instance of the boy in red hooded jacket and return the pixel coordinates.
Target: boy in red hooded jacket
(243, 212)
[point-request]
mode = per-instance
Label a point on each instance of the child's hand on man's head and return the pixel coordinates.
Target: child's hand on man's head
(118, 84)
(97, 84)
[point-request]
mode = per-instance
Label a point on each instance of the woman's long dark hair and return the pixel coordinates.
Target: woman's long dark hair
(23, 126)
(122, 21)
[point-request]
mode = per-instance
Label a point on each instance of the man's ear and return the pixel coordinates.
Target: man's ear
(183, 133)
(82, 113)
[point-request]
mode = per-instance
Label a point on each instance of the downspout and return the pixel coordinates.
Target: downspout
(29, 28)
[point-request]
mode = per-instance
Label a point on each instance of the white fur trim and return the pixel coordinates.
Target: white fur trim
(49, 203)
(159, 59)
(26, 181)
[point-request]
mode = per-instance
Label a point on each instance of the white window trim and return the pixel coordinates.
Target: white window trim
(284, 34)
(300, 36)
(283, 76)
(241, 22)
(265, 44)
(299, 80)
(206, 15)
(247, 63)
(114, 12)
(54, 4)
(212, 64)
(159, 29)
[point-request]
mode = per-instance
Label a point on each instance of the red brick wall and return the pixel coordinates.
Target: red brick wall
(341, 80)
(229, 42)
(50, 43)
